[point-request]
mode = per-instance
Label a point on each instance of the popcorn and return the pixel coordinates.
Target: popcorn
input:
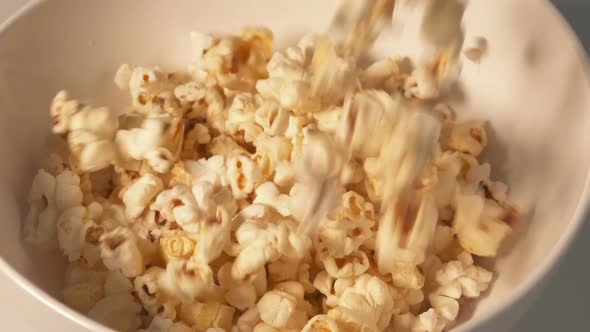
(195, 140)
(177, 247)
(276, 308)
(70, 227)
(187, 280)
(422, 84)
(405, 298)
(202, 316)
(469, 137)
(333, 74)
(268, 194)
(213, 236)
(247, 321)
(138, 195)
(428, 321)
(61, 111)
(241, 294)
(203, 103)
(350, 266)
(179, 205)
(225, 146)
(90, 132)
(447, 308)
(270, 151)
(153, 299)
(386, 74)
(157, 141)
(403, 322)
(240, 123)
(284, 176)
(287, 82)
(235, 63)
(321, 323)
(123, 76)
(120, 252)
(263, 327)
(480, 225)
(369, 297)
(212, 170)
(244, 175)
(273, 118)
(67, 190)
(119, 312)
(349, 320)
(415, 242)
(49, 196)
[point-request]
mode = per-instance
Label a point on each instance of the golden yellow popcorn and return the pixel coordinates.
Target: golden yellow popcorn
(321, 323)
(481, 225)
(176, 247)
(469, 137)
(202, 316)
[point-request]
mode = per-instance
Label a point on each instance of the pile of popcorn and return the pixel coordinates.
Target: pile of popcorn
(189, 211)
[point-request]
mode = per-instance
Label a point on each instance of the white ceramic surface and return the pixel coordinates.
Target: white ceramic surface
(532, 87)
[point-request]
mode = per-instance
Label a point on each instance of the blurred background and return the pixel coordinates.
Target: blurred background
(560, 306)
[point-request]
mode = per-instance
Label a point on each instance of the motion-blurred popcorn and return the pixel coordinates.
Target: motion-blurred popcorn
(468, 137)
(187, 280)
(138, 195)
(202, 316)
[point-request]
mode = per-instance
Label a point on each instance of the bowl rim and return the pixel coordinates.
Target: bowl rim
(527, 286)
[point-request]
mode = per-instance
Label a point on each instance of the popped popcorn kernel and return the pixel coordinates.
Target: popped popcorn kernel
(120, 252)
(202, 316)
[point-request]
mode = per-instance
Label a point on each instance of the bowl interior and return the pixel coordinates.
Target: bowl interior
(531, 86)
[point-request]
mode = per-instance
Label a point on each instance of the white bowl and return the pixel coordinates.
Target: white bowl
(532, 86)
